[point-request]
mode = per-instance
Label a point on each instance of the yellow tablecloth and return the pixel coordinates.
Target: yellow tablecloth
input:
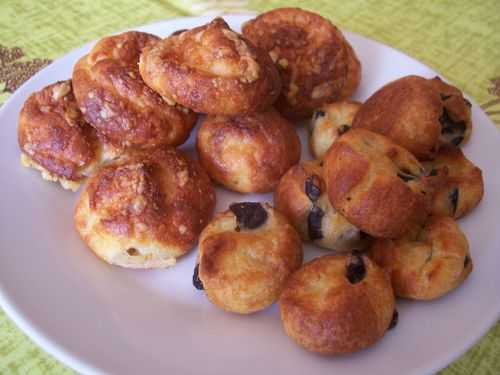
(460, 39)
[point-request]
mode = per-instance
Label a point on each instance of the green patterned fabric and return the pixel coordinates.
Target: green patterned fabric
(460, 39)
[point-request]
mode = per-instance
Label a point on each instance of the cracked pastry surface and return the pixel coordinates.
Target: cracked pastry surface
(377, 185)
(145, 209)
(248, 153)
(117, 102)
(317, 65)
(302, 197)
(337, 304)
(245, 256)
(211, 69)
(428, 262)
(55, 139)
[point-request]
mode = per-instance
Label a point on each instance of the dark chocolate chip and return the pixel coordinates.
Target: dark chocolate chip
(178, 32)
(364, 235)
(454, 200)
(343, 129)
(457, 140)
(466, 261)
(319, 113)
(312, 187)
(132, 252)
(395, 318)
(249, 215)
(321, 163)
(445, 97)
(314, 223)
(355, 269)
(449, 126)
(467, 103)
(196, 278)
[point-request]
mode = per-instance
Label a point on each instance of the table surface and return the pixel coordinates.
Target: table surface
(459, 39)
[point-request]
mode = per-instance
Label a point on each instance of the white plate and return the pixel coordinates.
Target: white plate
(101, 319)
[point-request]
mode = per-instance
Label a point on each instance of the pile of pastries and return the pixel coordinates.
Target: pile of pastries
(382, 195)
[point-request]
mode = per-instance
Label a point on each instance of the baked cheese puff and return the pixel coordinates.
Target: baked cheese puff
(248, 153)
(246, 254)
(118, 104)
(211, 69)
(378, 186)
(328, 123)
(458, 183)
(55, 138)
(145, 209)
(317, 65)
(338, 304)
(428, 262)
(302, 197)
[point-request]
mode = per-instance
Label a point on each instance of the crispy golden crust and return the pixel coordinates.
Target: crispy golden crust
(456, 120)
(316, 63)
(211, 69)
(428, 262)
(145, 209)
(330, 122)
(244, 270)
(54, 137)
(376, 184)
(248, 153)
(301, 196)
(406, 110)
(116, 101)
(460, 185)
(325, 313)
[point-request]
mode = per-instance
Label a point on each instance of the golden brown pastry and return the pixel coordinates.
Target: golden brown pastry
(406, 110)
(428, 262)
(337, 304)
(456, 121)
(211, 69)
(55, 139)
(245, 256)
(301, 196)
(460, 186)
(317, 65)
(330, 122)
(248, 153)
(115, 100)
(145, 209)
(377, 185)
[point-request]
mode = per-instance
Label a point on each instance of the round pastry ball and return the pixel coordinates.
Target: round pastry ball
(377, 185)
(337, 304)
(302, 197)
(211, 69)
(317, 65)
(245, 256)
(248, 153)
(55, 139)
(115, 100)
(459, 187)
(145, 209)
(455, 120)
(428, 262)
(330, 122)
(406, 110)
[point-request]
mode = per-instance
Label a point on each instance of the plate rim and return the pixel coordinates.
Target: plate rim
(72, 361)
